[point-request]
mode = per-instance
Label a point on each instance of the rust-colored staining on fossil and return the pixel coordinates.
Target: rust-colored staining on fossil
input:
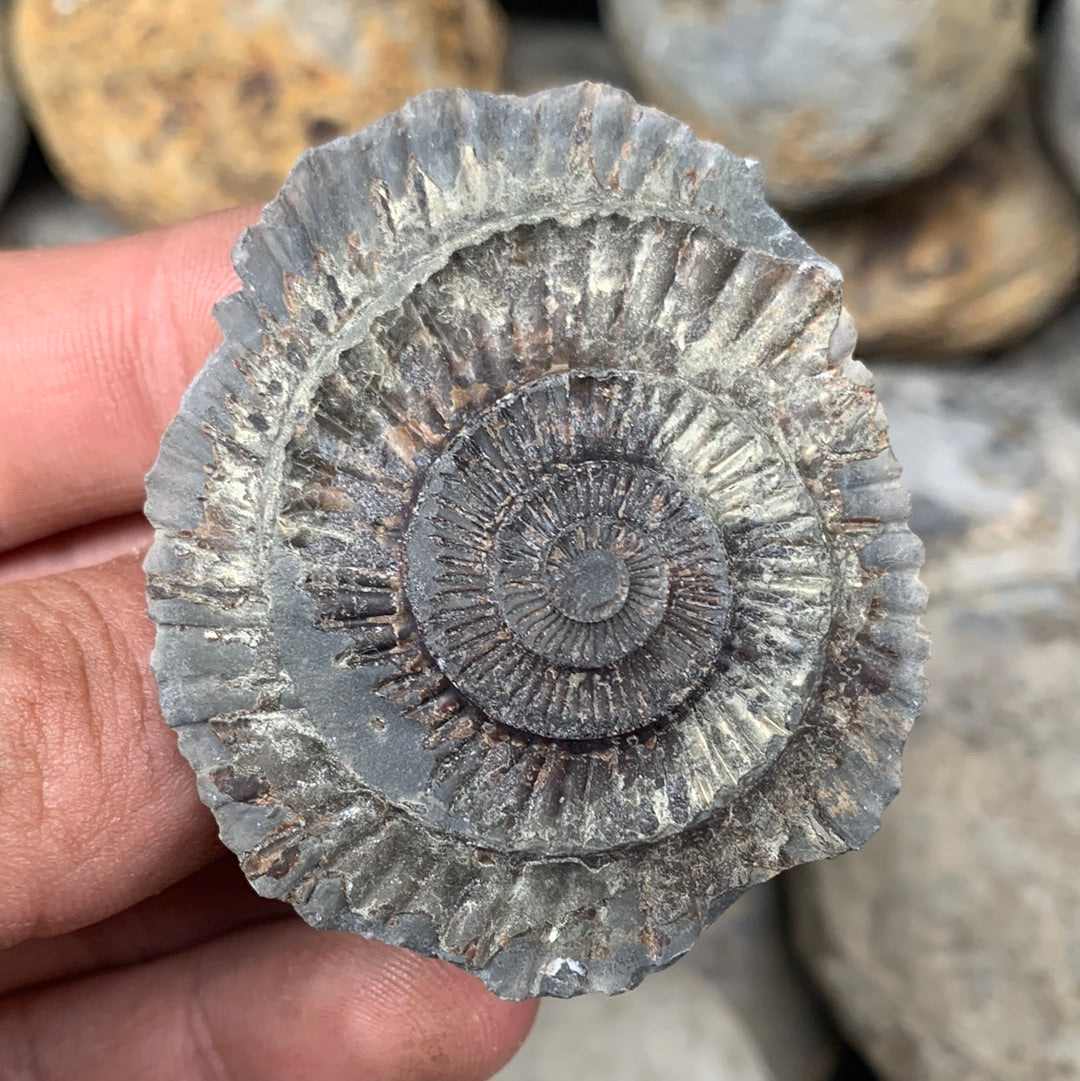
(565, 589)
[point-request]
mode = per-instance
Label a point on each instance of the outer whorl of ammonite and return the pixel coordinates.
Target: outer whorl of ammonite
(532, 573)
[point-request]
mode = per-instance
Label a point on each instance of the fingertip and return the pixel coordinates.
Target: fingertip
(90, 383)
(183, 271)
(456, 1028)
(399, 1016)
(511, 1023)
(277, 1001)
(88, 764)
(197, 254)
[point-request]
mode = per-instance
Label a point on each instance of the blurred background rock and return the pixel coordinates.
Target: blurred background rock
(836, 98)
(163, 109)
(1060, 80)
(12, 128)
(932, 149)
(972, 258)
(950, 946)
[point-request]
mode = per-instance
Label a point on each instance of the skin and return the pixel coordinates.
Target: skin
(130, 945)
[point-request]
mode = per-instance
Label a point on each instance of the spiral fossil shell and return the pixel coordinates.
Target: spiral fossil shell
(532, 573)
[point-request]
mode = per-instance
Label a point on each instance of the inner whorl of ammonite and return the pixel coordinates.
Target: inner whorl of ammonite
(564, 586)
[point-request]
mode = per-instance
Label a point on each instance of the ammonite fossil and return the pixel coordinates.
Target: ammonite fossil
(532, 571)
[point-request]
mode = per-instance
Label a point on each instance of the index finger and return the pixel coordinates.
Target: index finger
(100, 342)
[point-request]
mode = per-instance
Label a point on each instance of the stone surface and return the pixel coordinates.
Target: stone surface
(42, 214)
(678, 1025)
(746, 957)
(478, 340)
(201, 104)
(12, 126)
(1059, 68)
(973, 258)
(834, 97)
(950, 947)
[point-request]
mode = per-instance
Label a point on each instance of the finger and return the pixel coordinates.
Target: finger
(97, 808)
(275, 1003)
(75, 548)
(209, 903)
(99, 343)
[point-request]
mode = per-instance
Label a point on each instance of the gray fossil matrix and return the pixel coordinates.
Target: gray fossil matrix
(532, 573)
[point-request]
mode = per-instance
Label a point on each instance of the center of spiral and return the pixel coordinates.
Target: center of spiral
(563, 583)
(591, 586)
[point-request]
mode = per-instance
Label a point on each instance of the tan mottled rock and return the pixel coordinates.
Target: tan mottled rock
(970, 259)
(950, 946)
(834, 97)
(169, 108)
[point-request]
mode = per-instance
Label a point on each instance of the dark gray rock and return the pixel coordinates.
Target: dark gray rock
(1060, 73)
(41, 214)
(475, 343)
(542, 53)
(951, 947)
(12, 126)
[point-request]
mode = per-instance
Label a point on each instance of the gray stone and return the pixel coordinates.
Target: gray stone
(542, 53)
(13, 133)
(41, 214)
(951, 947)
(476, 341)
(746, 956)
(834, 97)
(677, 1025)
(1060, 76)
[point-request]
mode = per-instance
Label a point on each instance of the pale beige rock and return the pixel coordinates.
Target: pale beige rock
(675, 1025)
(200, 104)
(834, 97)
(973, 258)
(950, 946)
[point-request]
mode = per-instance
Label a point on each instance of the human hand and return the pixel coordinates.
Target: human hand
(130, 947)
